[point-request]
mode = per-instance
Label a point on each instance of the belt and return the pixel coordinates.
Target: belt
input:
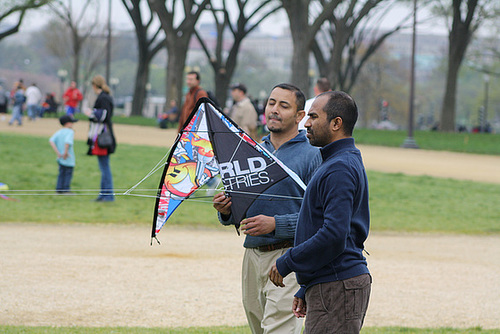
(279, 245)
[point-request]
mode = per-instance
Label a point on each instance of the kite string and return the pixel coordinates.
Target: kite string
(151, 172)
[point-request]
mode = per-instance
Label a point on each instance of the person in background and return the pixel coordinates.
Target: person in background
(49, 106)
(170, 116)
(72, 97)
(195, 92)
(33, 99)
(100, 121)
(269, 225)
(18, 99)
(4, 102)
(63, 144)
(243, 112)
(322, 85)
(333, 225)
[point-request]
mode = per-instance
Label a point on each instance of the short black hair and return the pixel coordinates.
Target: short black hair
(195, 73)
(323, 84)
(300, 98)
(341, 105)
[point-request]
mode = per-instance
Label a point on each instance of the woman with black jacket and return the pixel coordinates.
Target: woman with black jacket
(99, 123)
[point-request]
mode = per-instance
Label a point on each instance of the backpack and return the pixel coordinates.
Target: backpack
(211, 96)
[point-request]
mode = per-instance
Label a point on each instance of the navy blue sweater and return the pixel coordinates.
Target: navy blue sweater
(333, 221)
(301, 157)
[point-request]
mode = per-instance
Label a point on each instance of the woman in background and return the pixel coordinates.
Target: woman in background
(100, 121)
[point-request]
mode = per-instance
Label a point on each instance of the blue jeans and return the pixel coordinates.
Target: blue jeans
(106, 193)
(17, 115)
(32, 111)
(64, 178)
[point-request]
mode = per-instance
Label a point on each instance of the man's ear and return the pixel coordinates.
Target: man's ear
(336, 124)
(300, 115)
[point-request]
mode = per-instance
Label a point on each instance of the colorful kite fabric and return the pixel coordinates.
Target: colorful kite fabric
(211, 144)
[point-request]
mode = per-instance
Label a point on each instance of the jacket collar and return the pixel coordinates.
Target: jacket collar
(300, 137)
(336, 147)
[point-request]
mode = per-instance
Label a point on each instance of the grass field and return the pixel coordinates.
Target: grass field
(222, 330)
(398, 202)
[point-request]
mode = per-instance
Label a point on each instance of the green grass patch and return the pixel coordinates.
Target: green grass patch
(398, 202)
(480, 143)
(221, 330)
(30, 169)
(427, 204)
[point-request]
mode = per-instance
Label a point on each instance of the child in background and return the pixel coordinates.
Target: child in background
(62, 143)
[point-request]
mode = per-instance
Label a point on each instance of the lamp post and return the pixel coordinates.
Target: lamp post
(484, 120)
(409, 141)
(61, 74)
(114, 82)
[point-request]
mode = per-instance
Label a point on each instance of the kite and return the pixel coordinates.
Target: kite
(211, 144)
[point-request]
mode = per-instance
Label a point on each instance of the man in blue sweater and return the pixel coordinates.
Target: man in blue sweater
(270, 221)
(333, 225)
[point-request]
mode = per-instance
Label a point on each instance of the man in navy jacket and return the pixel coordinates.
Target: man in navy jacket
(332, 227)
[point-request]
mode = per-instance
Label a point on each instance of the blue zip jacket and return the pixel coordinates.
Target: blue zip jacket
(333, 222)
(301, 157)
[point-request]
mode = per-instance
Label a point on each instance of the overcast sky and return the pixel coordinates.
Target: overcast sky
(273, 26)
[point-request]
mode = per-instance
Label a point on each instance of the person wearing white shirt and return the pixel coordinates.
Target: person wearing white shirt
(322, 85)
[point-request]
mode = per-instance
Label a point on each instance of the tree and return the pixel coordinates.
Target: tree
(466, 18)
(70, 43)
(239, 29)
(149, 43)
(177, 38)
(347, 47)
(303, 28)
(10, 8)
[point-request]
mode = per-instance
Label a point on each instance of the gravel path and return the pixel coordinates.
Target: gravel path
(102, 275)
(105, 275)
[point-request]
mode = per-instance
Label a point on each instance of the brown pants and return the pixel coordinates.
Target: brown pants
(337, 307)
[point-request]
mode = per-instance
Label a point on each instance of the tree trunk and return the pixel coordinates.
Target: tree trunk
(141, 80)
(300, 61)
(459, 38)
(449, 100)
(175, 71)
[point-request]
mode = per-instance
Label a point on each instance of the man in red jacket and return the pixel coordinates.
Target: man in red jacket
(195, 92)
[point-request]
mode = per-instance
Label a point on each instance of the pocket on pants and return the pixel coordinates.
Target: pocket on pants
(357, 294)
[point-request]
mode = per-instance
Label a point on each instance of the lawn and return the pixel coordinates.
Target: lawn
(222, 330)
(479, 143)
(398, 202)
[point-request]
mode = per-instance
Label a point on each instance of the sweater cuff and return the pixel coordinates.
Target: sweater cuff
(301, 293)
(281, 265)
(285, 226)
(225, 220)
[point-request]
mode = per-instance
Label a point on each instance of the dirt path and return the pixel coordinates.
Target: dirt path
(101, 275)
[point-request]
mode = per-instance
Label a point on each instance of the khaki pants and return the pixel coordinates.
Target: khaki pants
(268, 308)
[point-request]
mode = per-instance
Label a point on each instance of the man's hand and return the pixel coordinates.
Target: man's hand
(258, 225)
(276, 277)
(299, 307)
(222, 203)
